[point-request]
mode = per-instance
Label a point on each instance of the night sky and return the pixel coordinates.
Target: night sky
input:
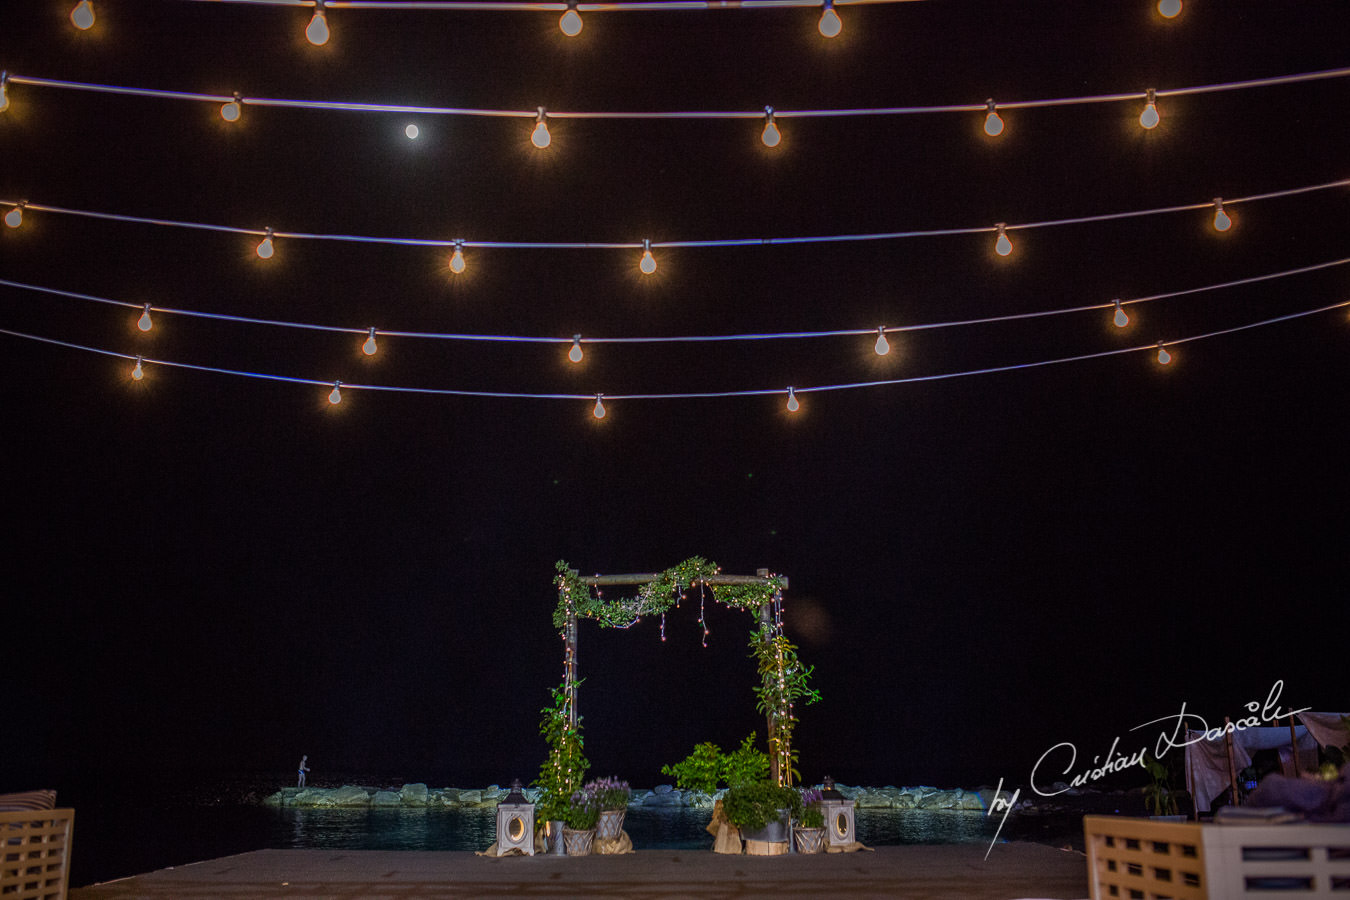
(215, 573)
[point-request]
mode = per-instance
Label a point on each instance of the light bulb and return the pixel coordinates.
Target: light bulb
(1002, 246)
(144, 323)
(1169, 9)
(82, 16)
(265, 248)
(335, 395)
(1222, 221)
(4, 92)
(830, 24)
(792, 404)
(540, 136)
(369, 347)
(412, 131)
(14, 218)
(575, 353)
(457, 258)
(316, 32)
(231, 110)
(771, 136)
(599, 411)
(648, 263)
(993, 124)
(882, 346)
(1163, 356)
(137, 372)
(1121, 319)
(570, 23)
(1149, 118)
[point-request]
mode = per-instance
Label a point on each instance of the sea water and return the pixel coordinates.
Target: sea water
(119, 835)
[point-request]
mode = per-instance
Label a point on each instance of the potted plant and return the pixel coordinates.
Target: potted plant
(579, 818)
(762, 810)
(810, 834)
(612, 796)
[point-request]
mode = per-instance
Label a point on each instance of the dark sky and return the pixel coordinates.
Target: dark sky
(218, 572)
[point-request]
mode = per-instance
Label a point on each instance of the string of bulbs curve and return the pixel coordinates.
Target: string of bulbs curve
(1222, 222)
(791, 392)
(881, 331)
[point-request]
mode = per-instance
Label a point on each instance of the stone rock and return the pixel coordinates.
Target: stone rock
(414, 794)
(386, 798)
(904, 800)
(668, 797)
(663, 789)
(469, 796)
(347, 795)
(935, 800)
(971, 800)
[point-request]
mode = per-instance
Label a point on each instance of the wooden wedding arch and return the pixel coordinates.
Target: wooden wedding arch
(783, 678)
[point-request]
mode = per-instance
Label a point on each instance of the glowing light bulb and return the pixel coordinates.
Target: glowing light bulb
(771, 137)
(882, 346)
(265, 248)
(4, 91)
(457, 258)
(316, 32)
(599, 411)
(1163, 356)
(231, 110)
(369, 347)
(1003, 246)
(412, 131)
(137, 372)
(14, 218)
(1121, 319)
(648, 263)
(571, 23)
(1149, 118)
(144, 323)
(830, 24)
(82, 16)
(993, 123)
(1222, 221)
(792, 404)
(540, 136)
(575, 353)
(335, 395)
(1169, 9)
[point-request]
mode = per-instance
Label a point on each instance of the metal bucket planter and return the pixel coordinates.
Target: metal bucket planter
(610, 825)
(553, 838)
(775, 832)
(809, 840)
(578, 843)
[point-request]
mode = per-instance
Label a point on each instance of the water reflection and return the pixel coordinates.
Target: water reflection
(650, 829)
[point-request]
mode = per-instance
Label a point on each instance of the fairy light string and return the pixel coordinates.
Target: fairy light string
(458, 244)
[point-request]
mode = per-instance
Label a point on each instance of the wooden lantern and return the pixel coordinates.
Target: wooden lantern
(515, 823)
(838, 811)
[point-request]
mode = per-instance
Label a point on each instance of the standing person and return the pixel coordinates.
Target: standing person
(303, 769)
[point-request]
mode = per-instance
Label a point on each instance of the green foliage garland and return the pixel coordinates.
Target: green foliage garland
(784, 680)
(654, 597)
(564, 770)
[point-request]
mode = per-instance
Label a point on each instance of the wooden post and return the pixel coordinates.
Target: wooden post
(1232, 767)
(766, 622)
(570, 636)
(1293, 745)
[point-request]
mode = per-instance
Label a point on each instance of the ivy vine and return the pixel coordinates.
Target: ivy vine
(655, 597)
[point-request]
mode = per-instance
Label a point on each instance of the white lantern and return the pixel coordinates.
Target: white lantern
(515, 823)
(838, 811)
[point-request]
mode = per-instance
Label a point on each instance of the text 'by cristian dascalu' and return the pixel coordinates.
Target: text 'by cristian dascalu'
(1179, 730)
